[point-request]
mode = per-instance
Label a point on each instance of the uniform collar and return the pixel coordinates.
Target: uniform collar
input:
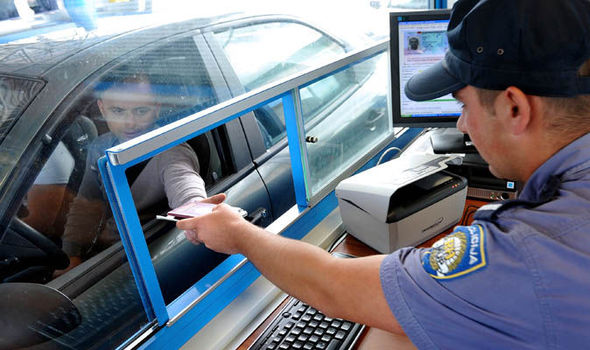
(545, 181)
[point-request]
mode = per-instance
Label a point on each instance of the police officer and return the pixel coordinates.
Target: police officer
(517, 277)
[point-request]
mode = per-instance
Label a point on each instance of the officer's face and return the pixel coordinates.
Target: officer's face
(485, 132)
(130, 111)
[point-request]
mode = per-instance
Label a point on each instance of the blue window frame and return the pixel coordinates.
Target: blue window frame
(200, 303)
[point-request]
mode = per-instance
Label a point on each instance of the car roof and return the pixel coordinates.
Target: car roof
(36, 55)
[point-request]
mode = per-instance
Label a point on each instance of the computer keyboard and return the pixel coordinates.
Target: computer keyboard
(300, 326)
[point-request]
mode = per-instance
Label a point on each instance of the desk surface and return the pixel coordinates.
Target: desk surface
(370, 338)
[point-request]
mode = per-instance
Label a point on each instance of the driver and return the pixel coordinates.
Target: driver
(130, 108)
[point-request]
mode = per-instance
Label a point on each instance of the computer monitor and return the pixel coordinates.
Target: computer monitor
(417, 41)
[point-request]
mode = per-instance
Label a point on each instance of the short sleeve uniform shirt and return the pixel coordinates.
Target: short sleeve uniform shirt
(518, 277)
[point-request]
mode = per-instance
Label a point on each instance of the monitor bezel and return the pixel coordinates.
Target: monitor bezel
(398, 121)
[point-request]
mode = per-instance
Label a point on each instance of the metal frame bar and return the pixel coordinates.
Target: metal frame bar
(297, 150)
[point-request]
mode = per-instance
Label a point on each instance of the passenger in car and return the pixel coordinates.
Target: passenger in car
(130, 108)
(49, 190)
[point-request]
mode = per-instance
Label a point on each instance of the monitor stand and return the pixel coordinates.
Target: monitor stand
(451, 140)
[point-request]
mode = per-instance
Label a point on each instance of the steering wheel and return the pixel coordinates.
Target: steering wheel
(54, 258)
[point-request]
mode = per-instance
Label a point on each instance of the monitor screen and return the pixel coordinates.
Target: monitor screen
(417, 41)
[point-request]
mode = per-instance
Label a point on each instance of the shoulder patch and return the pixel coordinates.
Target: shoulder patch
(460, 253)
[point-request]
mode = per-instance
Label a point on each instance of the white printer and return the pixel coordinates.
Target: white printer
(402, 202)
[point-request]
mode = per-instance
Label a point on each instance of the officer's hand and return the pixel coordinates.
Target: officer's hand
(221, 230)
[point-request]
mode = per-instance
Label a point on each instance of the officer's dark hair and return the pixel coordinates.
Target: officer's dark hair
(565, 115)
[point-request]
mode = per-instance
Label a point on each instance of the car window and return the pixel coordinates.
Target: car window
(305, 48)
(64, 239)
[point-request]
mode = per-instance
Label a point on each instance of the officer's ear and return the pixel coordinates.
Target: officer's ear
(514, 107)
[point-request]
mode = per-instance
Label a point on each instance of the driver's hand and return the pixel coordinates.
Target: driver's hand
(215, 199)
(74, 261)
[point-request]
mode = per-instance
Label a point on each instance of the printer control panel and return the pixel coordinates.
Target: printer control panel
(424, 192)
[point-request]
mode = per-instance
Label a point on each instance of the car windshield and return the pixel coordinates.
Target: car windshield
(15, 94)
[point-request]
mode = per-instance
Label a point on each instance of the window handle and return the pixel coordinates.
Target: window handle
(257, 215)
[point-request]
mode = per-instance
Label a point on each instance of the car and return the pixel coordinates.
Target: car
(9, 9)
(48, 105)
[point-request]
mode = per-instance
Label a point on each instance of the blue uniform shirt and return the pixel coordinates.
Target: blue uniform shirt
(518, 277)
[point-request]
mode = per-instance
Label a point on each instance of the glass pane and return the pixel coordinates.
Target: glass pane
(294, 47)
(351, 122)
(157, 87)
(304, 48)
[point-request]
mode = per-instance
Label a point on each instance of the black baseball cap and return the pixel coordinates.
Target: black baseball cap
(535, 45)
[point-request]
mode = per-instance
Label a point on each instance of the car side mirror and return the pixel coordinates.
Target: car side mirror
(34, 313)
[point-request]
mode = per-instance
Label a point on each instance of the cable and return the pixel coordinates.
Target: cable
(387, 151)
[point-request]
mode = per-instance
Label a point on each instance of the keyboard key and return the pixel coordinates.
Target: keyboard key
(340, 335)
(303, 337)
(331, 331)
(336, 323)
(298, 345)
(284, 346)
(314, 339)
(346, 326)
(318, 332)
(324, 325)
(289, 325)
(308, 346)
(321, 345)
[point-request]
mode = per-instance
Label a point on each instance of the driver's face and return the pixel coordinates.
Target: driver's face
(130, 111)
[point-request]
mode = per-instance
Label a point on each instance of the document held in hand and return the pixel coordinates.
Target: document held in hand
(193, 209)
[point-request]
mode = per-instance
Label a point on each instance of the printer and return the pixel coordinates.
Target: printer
(402, 202)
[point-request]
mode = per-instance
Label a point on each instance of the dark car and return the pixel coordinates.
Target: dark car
(48, 104)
